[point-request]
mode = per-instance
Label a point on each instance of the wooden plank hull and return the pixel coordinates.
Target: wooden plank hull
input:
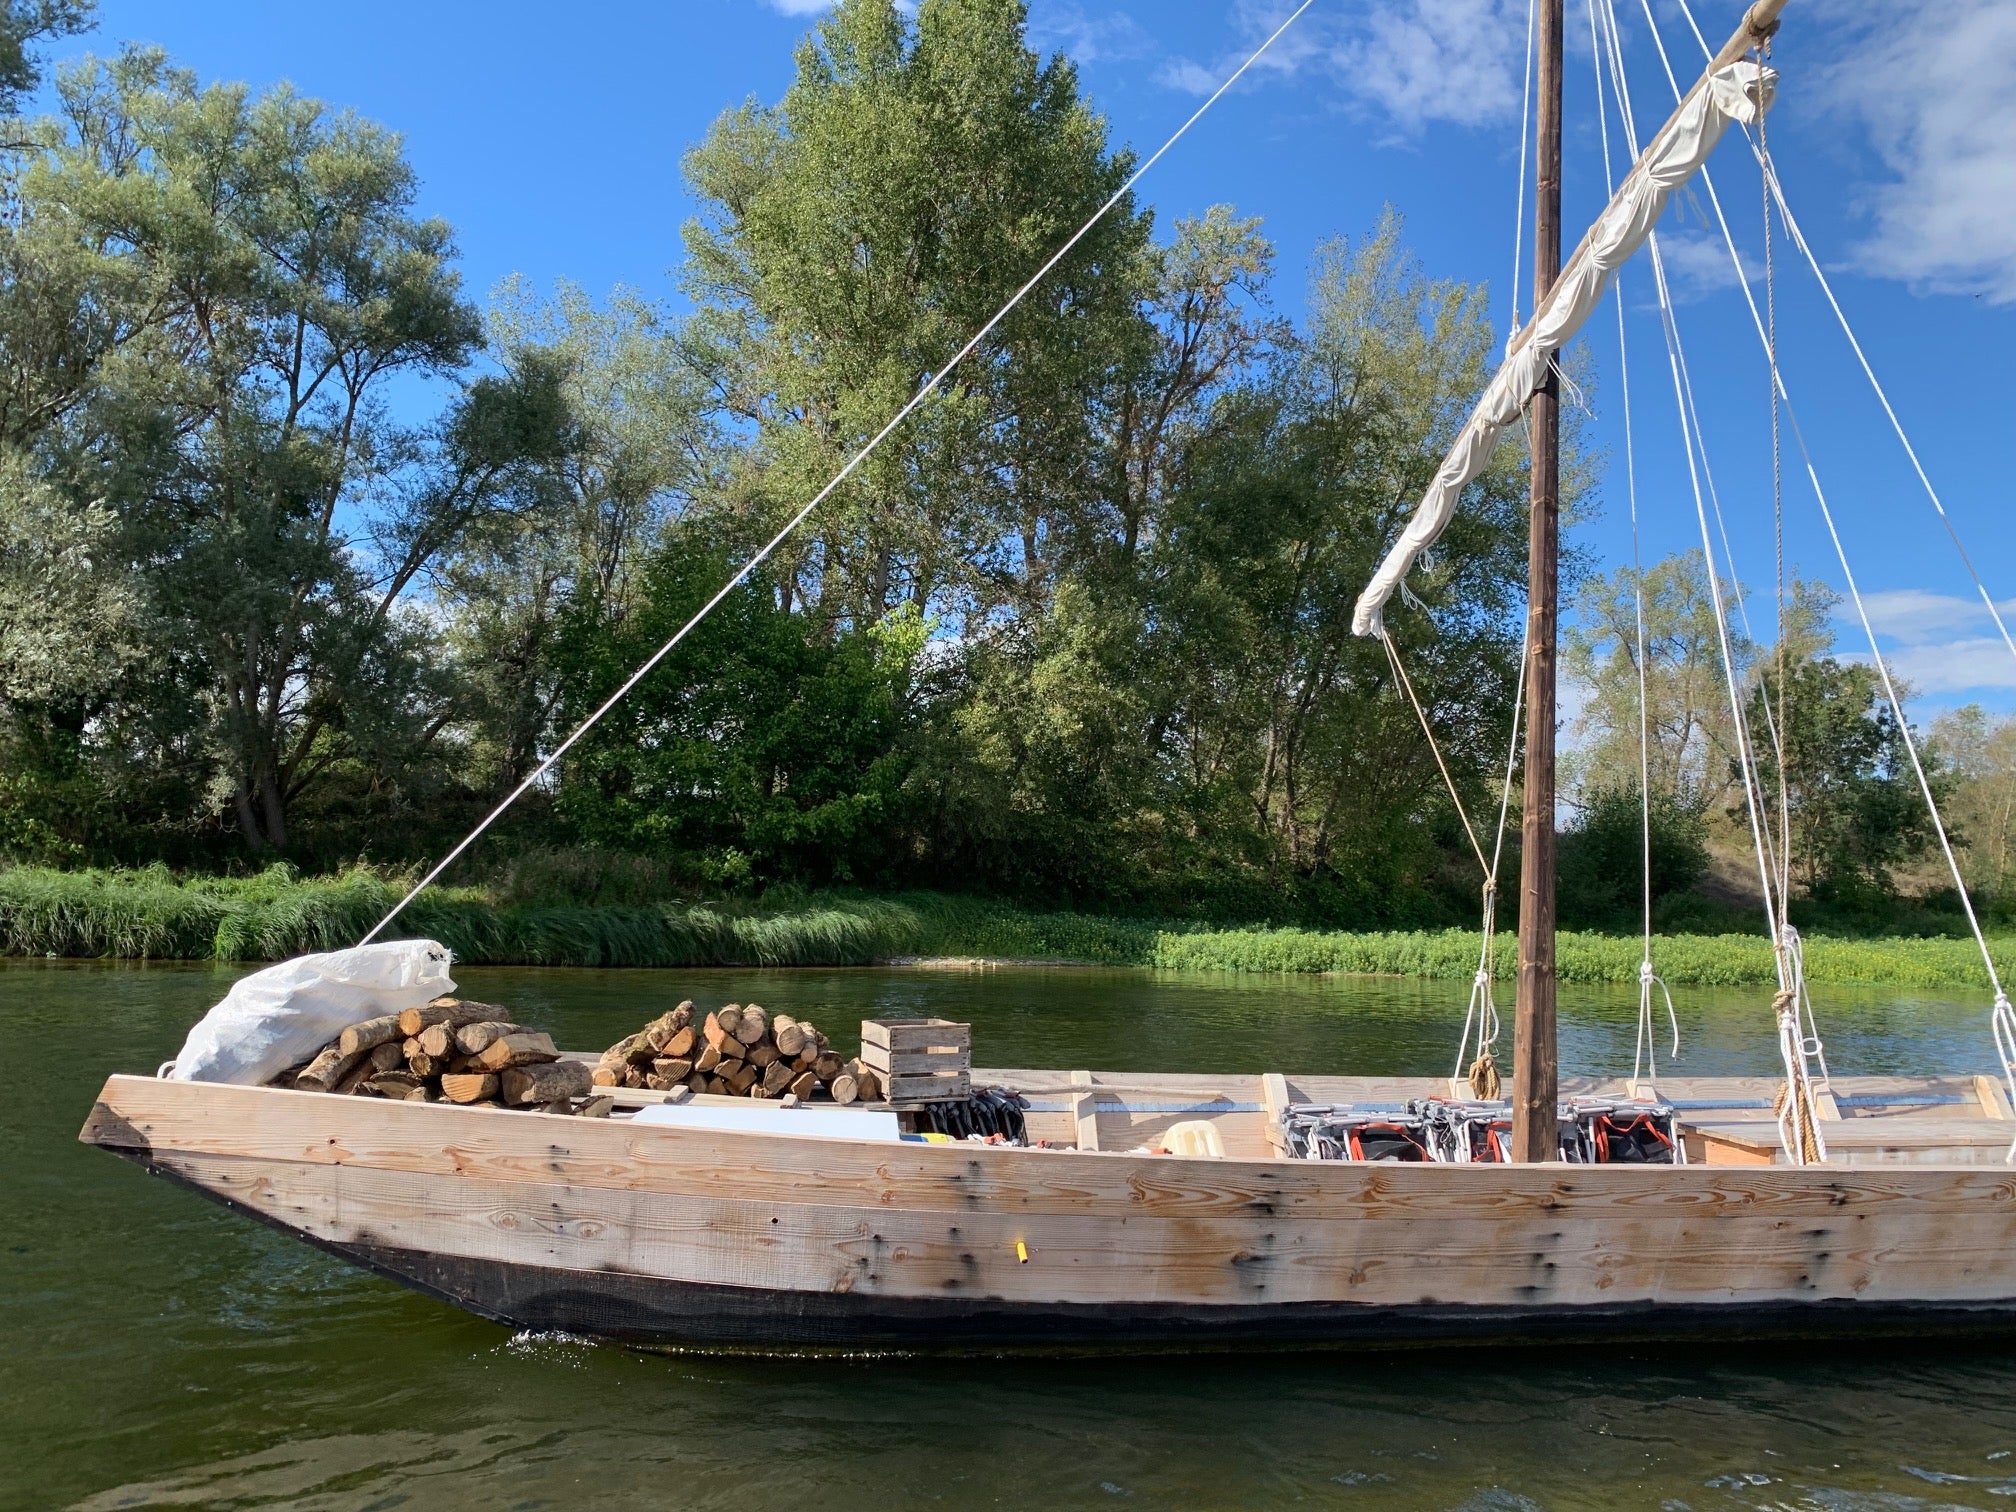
(685, 1237)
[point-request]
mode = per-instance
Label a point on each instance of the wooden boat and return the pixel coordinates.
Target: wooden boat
(1807, 1205)
(682, 1237)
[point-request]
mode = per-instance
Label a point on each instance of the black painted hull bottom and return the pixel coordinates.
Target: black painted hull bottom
(657, 1313)
(653, 1312)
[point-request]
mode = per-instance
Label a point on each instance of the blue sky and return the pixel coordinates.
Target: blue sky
(551, 140)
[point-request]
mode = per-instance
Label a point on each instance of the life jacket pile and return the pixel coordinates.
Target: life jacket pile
(1594, 1131)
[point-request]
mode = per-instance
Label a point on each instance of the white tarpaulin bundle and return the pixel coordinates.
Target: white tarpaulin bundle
(1741, 91)
(282, 1015)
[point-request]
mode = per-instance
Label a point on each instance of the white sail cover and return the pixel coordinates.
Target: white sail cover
(1740, 91)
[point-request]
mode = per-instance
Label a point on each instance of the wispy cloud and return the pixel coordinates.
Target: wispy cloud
(1698, 265)
(1939, 106)
(1939, 642)
(1086, 37)
(799, 7)
(1412, 62)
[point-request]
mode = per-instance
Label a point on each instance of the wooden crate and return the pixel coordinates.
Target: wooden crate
(919, 1060)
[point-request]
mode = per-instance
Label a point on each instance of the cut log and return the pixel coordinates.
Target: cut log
(597, 1107)
(682, 1042)
(733, 1049)
(633, 1076)
(742, 1078)
(356, 1079)
(428, 1065)
(776, 1077)
(675, 1069)
(604, 1076)
(802, 1085)
(727, 1018)
(843, 1088)
(807, 1058)
(327, 1069)
(654, 1036)
(437, 1040)
(763, 1056)
(682, 1016)
(827, 1066)
(868, 1085)
(400, 1086)
(790, 1038)
(451, 1011)
(698, 1083)
(386, 1057)
(372, 1032)
(520, 1050)
(468, 1086)
(474, 1039)
(755, 1025)
(708, 1058)
(546, 1082)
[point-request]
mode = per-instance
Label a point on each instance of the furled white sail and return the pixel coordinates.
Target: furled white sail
(1740, 91)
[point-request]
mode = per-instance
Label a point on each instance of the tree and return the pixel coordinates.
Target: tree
(641, 449)
(1691, 744)
(1979, 752)
(206, 297)
(1856, 811)
(852, 238)
(1608, 857)
(759, 752)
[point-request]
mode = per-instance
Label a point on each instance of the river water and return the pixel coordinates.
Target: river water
(157, 1351)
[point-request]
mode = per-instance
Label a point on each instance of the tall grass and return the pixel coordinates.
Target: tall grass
(150, 914)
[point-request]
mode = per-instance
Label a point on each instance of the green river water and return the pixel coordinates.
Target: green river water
(157, 1351)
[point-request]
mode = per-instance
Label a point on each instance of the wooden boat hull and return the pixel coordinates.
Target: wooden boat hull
(696, 1238)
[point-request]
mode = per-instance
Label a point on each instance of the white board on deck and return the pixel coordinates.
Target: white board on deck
(770, 1118)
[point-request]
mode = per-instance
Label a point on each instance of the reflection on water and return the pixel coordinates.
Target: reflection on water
(156, 1351)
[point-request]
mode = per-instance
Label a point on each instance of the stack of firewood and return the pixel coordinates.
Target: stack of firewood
(736, 1051)
(449, 1051)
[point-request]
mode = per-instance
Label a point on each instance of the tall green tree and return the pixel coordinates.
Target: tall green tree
(851, 239)
(207, 295)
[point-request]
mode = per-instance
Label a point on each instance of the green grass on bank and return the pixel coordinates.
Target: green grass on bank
(151, 914)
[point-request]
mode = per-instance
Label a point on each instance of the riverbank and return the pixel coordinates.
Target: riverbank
(152, 915)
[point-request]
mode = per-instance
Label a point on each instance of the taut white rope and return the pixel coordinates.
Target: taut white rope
(924, 391)
(1868, 371)
(1645, 1059)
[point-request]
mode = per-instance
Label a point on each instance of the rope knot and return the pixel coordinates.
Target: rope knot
(1483, 978)
(1645, 974)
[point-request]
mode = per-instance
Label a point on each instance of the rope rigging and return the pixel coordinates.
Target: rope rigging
(2002, 1016)
(1776, 191)
(1800, 1047)
(1480, 1017)
(924, 391)
(1644, 1057)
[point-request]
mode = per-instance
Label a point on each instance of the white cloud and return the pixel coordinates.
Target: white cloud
(1698, 265)
(1064, 25)
(1938, 643)
(1191, 78)
(799, 7)
(1958, 667)
(1939, 103)
(1916, 617)
(1414, 62)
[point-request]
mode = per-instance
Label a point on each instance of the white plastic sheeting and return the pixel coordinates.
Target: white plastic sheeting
(282, 1015)
(1740, 91)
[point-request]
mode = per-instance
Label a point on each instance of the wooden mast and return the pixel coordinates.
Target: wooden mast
(1535, 1067)
(1535, 1056)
